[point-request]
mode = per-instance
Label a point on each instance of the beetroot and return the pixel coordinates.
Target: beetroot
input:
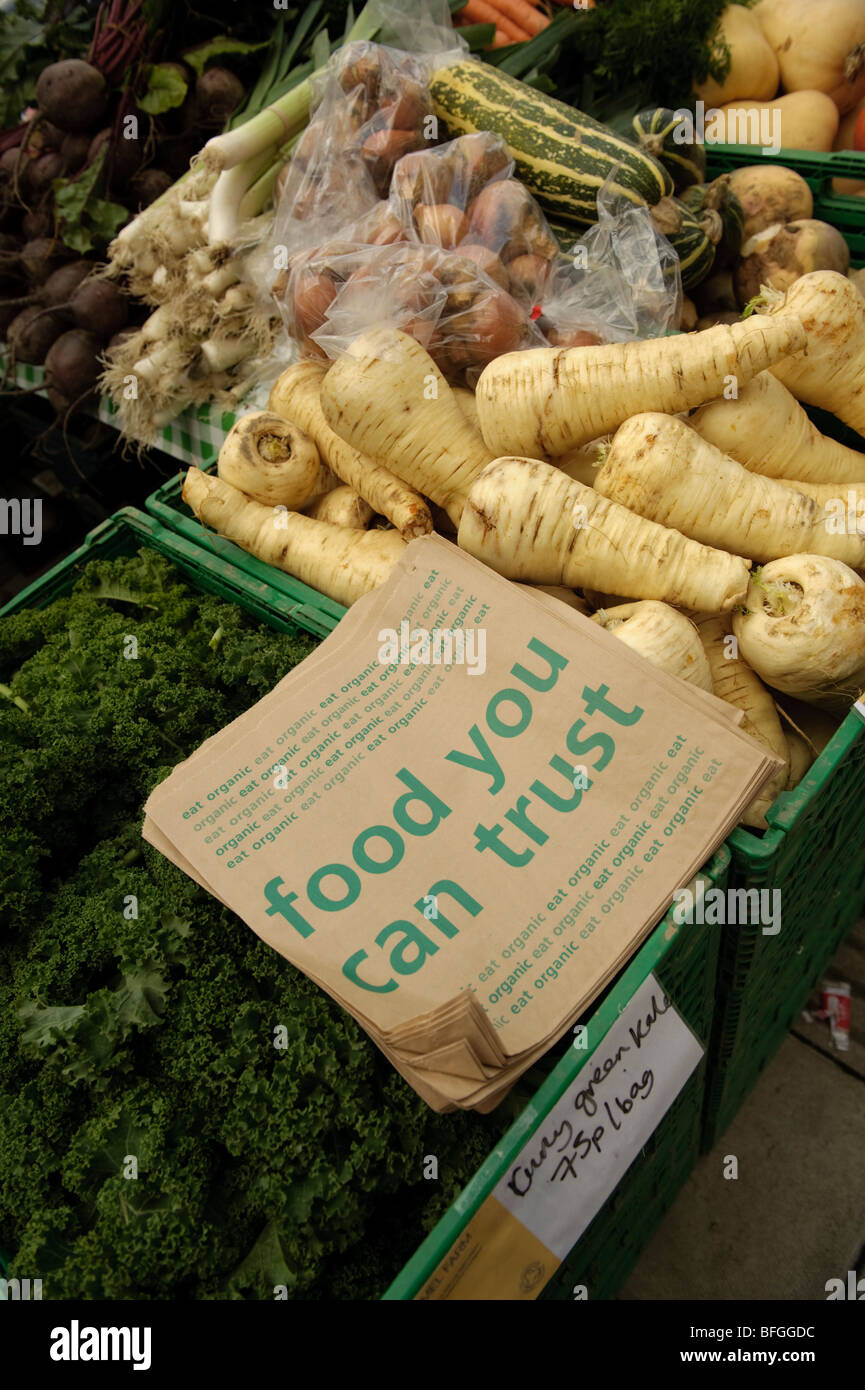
(14, 160)
(217, 93)
(72, 94)
(61, 285)
(118, 339)
(32, 334)
(122, 158)
(36, 224)
(149, 185)
(8, 315)
(74, 150)
(72, 369)
(42, 172)
(99, 308)
(42, 256)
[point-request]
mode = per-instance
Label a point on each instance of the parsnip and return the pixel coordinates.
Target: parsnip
(297, 394)
(661, 634)
(583, 464)
(842, 502)
(341, 507)
(734, 681)
(802, 629)
(465, 399)
(546, 401)
(661, 468)
(387, 397)
(560, 594)
(339, 562)
(814, 725)
(831, 372)
(529, 521)
(272, 461)
(768, 432)
(799, 759)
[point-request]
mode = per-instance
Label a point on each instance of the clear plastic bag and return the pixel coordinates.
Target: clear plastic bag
(619, 281)
(462, 196)
(463, 318)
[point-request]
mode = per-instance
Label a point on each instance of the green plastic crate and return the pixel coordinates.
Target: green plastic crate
(684, 959)
(814, 853)
(307, 606)
(844, 211)
(127, 531)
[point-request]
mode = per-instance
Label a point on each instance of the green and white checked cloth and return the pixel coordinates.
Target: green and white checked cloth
(195, 436)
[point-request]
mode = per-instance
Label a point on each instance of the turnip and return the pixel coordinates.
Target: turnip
(802, 629)
(32, 333)
(338, 561)
(529, 521)
(296, 394)
(72, 94)
(734, 681)
(767, 431)
(546, 401)
(662, 635)
(783, 253)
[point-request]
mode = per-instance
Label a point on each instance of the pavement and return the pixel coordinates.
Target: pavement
(793, 1216)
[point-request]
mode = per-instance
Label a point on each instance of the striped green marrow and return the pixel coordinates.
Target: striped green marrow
(655, 131)
(719, 197)
(562, 156)
(693, 239)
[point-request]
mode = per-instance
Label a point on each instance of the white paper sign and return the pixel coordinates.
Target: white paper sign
(583, 1147)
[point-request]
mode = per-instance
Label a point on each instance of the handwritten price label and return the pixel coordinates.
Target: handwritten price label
(580, 1151)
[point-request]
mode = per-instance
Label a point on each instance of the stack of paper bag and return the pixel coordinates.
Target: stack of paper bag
(460, 816)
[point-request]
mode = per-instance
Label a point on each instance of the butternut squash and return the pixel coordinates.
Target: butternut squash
(803, 120)
(754, 70)
(819, 47)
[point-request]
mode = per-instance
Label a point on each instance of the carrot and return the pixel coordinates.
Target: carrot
(486, 12)
(734, 681)
(768, 432)
(338, 561)
(297, 393)
(545, 401)
(386, 397)
(529, 521)
(661, 468)
(523, 15)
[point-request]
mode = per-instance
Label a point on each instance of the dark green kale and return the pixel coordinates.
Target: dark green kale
(182, 1114)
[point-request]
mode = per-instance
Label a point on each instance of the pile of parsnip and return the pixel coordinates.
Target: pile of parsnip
(723, 544)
